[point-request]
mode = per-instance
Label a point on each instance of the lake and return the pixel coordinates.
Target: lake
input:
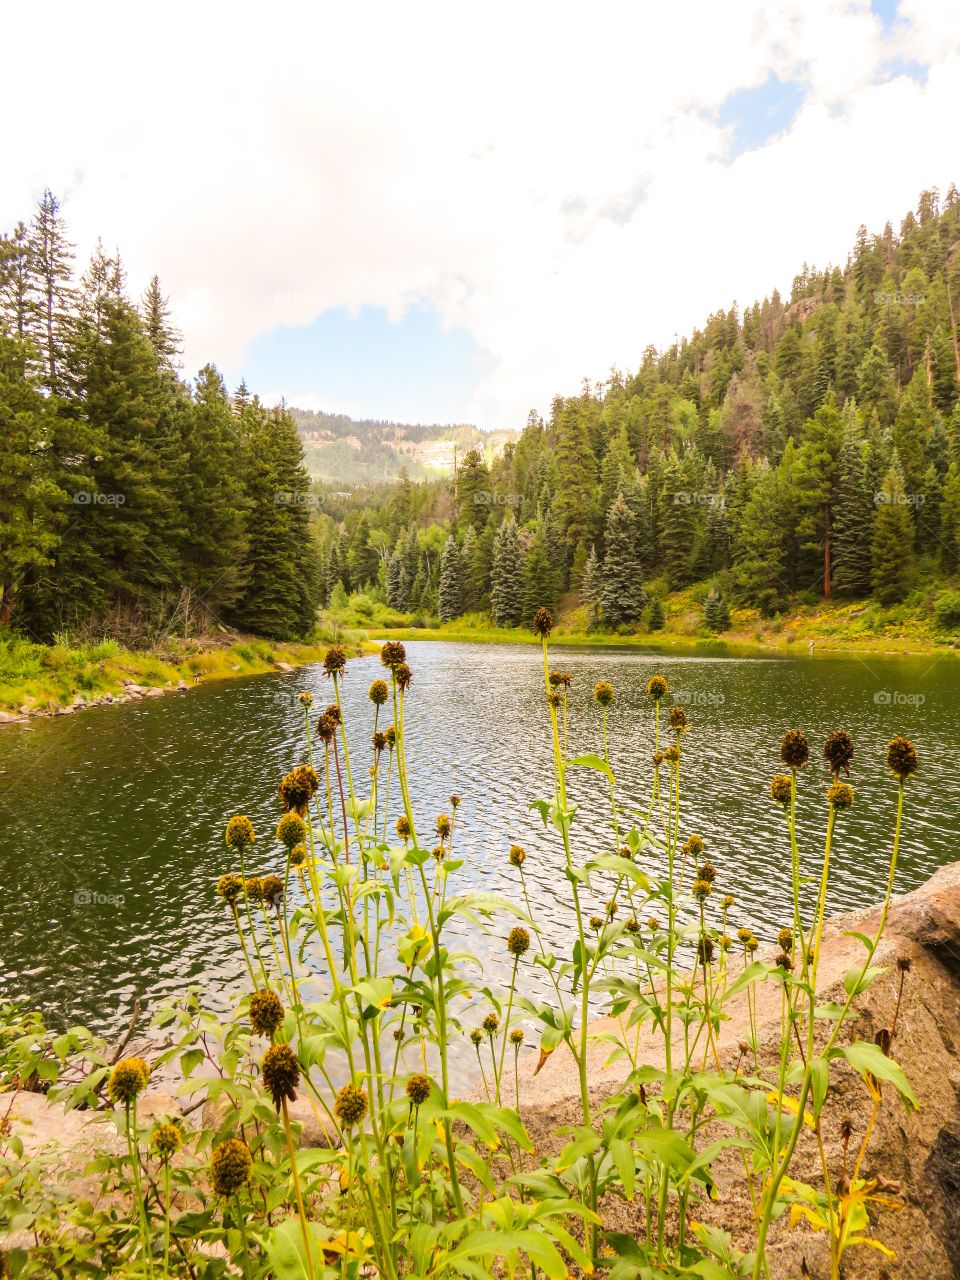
(112, 819)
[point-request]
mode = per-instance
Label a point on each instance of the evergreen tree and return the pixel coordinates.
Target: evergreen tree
(474, 490)
(816, 480)
(164, 337)
(623, 595)
(759, 544)
(716, 615)
(591, 586)
(538, 591)
(655, 616)
(472, 590)
(853, 516)
(506, 581)
(51, 294)
(892, 541)
(450, 599)
(677, 523)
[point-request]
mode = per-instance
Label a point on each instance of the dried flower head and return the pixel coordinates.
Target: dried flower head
(253, 888)
(705, 950)
(840, 795)
(554, 699)
(653, 924)
(272, 889)
(403, 827)
(378, 693)
(239, 832)
(444, 826)
(612, 908)
(403, 675)
(281, 1073)
(393, 654)
(838, 751)
(692, 847)
(728, 901)
(846, 1128)
(596, 922)
(657, 688)
(560, 679)
(542, 623)
(517, 855)
(439, 852)
(632, 925)
(516, 1037)
(781, 788)
(726, 942)
(794, 749)
(127, 1079)
(455, 802)
(476, 1036)
(231, 1167)
(603, 694)
(166, 1139)
(751, 945)
(291, 830)
(903, 964)
(490, 1024)
(266, 1012)
(672, 755)
(230, 887)
(702, 890)
(518, 941)
(902, 758)
(391, 737)
(379, 742)
(418, 1089)
(326, 728)
(678, 720)
(298, 855)
(333, 711)
(785, 939)
(657, 758)
(707, 871)
(305, 698)
(744, 934)
(334, 660)
(783, 961)
(297, 788)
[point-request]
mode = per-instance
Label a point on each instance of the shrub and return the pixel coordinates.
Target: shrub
(947, 609)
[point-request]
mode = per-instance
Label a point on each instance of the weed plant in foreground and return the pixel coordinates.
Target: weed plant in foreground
(355, 1004)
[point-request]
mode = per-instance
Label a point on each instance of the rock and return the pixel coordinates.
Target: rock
(920, 1149)
(284, 666)
(182, 684)
(12, 717)
(154, 693)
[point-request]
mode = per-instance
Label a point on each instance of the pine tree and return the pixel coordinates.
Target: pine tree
(163, 334)
(677, 523)
(468, 556)
(591, 586)
(506, 582)
(51, 297)
(450, 598)
(759, 544)
(622, 590)
(15, 282)
(716, 616)
(538, 590)
(474, 490)
(892, 541)
(853, 515)
(655, 616)
(816, 479)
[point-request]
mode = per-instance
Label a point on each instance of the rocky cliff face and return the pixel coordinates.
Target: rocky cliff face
(919, 1150)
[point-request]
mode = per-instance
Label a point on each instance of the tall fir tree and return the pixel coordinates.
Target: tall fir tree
(506, 579)
(623, 595)
(853, 514)
(450, 596)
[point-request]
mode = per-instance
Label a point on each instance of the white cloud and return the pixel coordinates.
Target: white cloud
(550, 176)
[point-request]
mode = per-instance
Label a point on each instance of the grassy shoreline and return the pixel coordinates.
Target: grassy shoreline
(56, 679)
(850, 629)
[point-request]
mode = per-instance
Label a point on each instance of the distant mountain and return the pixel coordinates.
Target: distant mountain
(352, 451)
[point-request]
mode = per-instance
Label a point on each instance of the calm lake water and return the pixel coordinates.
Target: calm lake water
(111, 821)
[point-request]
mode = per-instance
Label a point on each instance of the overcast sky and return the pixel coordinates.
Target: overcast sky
(453, 211)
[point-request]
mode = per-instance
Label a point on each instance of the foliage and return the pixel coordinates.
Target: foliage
(359, 997)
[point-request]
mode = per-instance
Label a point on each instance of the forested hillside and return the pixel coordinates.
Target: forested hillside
(349, 451)
(800, 448)
(133, 503)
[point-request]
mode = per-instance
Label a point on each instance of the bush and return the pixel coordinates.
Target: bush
(947, 609)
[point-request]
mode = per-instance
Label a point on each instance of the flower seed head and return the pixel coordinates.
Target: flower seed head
(393, 654)
(751, 945)
(838, 751)
(554, 699)
(726, 942)
(455, 802)
(785, 939)
(443, 826)
(403, 827)
(418, 1089)
(403, 676)
(794, 749)
(781, 788)
(657, 688)
(846, 1128)
(334, 660)
(692, 847)
(611, 908)
(517, 855)
(840, 795)
(653, 924)
(632, 925)
(266, 1013)
(272, 889)
(298, 855)
(516, 1037)
(490, 1024)
(166, 1139)
(305, 698)
(297, 788)
(518, 942)
(230, 887)
(127, 1079)
(672, 755)
(596, 922)
(728, 901)
(326, 728)
(705, 950)
(378, 693)
(784, 962)
(744, 934)
(291, 830)
(350, 1106)
(476, 1036)
(603, 694)
(903, 964)
(379, 742)
(231, 1167)
(702, 890)
(678, 720)
(391, 737)
(560, 679)
(707, 871)
(902, 758)
(239, 832)
(542, 623)
(281, 1073)
(254, 889)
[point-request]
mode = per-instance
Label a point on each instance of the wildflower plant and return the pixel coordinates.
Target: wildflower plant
(358, 1007)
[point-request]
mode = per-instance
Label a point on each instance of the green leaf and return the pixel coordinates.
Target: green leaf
(854, 984)
(287, 1252)
(590, 761)
(864, 1057)
(820, 1077)
(621, 1153)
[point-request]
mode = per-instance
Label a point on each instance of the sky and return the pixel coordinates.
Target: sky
(436, 212)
